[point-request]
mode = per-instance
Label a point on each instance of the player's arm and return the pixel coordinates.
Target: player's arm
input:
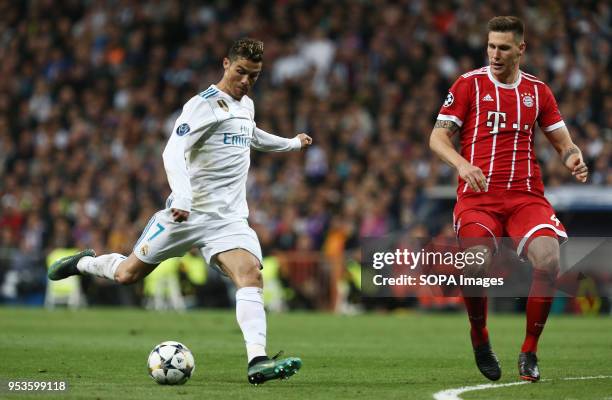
(190, 126)
(556, 132)
(264, 141)
(570, 153)
(178, 177)
(441, 144)
(453, 112)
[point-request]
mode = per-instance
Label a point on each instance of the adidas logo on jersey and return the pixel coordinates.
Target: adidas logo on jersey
(487, 98)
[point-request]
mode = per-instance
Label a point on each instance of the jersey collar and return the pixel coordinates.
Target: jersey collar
(222, 93)
(504, 85)
(227, 96)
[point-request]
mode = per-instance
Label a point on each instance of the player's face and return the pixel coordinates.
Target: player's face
(240, 75)
(504, 52)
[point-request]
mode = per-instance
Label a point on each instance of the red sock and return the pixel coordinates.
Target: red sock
(477, 313)
(475, 298)
(538, 306)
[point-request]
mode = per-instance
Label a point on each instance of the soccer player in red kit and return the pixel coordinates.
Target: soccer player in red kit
(500, 190)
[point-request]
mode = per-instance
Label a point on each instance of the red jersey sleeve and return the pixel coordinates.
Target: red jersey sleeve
(549, 117)
(456, 105)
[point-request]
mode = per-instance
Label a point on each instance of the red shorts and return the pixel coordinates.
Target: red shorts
(519, 215)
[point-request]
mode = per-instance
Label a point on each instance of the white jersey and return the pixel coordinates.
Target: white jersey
(208, 155)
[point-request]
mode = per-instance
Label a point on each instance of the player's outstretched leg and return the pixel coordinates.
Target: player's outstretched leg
(528, 367)
(487, 361)
(114, 266)
(67, 266)
(263, 369)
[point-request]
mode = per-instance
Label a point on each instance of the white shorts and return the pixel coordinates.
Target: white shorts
(163, 238)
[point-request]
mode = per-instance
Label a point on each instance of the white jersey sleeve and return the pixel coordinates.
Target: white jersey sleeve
(264, 141)
(193, 125)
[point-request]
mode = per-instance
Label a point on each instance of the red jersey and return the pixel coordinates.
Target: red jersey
(497, 123)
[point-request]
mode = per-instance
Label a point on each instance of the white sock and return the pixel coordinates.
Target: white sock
(103, 266)
(251, 317)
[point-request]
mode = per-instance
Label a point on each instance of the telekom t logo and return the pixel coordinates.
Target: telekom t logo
(498, 121)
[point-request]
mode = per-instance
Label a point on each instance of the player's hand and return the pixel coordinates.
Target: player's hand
(179, 215)
(576, 164)
(473, 176)
(305, 140)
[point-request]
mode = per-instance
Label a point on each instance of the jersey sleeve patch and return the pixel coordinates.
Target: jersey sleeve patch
(449, 100)
(183, 129)
(457, 101)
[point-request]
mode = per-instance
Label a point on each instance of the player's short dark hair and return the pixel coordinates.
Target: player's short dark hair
(250, 49)
(507, 23)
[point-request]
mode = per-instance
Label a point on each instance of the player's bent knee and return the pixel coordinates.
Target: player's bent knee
(249, 276)
(543, 252)
(548, 261)
(242, 267)
(246, 273)
(481, 256)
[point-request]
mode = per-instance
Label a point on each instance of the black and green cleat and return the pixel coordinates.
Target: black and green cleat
(274, 368)
(67, 266)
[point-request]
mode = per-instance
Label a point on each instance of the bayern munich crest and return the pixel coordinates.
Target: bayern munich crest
(527, 100)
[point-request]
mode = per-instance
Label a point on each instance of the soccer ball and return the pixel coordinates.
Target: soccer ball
(171, 363)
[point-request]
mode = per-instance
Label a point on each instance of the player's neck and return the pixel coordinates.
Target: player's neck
(223, 87)
(509, 78)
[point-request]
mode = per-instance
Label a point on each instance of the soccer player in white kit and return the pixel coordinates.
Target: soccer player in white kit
(207, 160)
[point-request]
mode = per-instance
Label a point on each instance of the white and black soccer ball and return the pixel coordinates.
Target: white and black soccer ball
(171, 363)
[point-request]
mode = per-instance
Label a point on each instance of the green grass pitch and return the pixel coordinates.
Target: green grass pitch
(102, 353)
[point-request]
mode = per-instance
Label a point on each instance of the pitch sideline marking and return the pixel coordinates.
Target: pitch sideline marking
(453, 394)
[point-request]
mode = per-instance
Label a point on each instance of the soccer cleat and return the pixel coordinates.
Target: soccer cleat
(528, 367)
(67, 266)
(487, 361)
(273, 368)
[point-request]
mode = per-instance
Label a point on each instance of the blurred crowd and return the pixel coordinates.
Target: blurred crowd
(90, 90)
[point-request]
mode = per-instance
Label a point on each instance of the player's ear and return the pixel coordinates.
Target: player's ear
(522, 46)
(226, 63)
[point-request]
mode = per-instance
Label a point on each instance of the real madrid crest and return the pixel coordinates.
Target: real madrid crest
(223, 105)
